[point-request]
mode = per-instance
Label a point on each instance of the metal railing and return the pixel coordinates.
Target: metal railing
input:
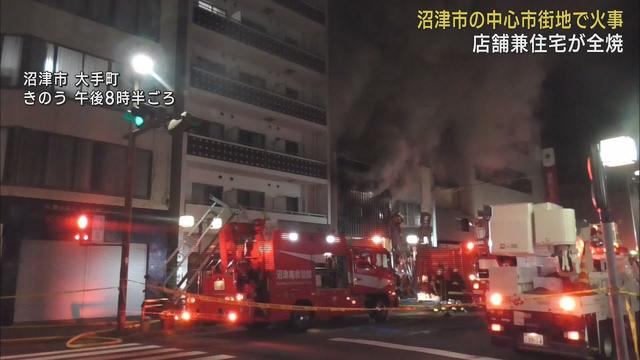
(263, 98)
(246, 155)
(258, 39)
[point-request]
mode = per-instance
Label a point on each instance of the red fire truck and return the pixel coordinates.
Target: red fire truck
(444, 260)
(251, 263)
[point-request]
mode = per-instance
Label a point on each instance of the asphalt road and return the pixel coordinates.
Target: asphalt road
(408, 336)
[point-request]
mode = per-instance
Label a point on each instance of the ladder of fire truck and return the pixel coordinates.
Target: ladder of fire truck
(220, 210)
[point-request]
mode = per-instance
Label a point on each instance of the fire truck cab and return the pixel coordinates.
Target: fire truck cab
(252, 264)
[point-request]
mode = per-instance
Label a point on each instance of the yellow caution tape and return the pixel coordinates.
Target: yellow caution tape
(633, 326)
(54, 293)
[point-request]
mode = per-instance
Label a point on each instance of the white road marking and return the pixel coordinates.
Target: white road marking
(94, 353)
(419, 349)
(172, 356)
(216, 357)
(135, 353)
(23, 356)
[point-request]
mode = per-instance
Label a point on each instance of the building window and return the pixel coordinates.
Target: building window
(208, 65)
(251, 138)
(252, 80)
(208, 128)
(139, 17)
(251, 199)
(291, 147)
(46, 160)
(10, 60)
(201, 193)
(292, 93)
(292, 204)
(253, 24)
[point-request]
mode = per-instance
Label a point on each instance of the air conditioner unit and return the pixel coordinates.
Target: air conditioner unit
(231, 197)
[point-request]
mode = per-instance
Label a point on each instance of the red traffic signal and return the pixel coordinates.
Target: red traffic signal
(83, 228)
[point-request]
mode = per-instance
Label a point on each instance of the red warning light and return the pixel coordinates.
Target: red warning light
(83, 222)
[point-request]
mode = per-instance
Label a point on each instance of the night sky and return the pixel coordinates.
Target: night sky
(401, 96)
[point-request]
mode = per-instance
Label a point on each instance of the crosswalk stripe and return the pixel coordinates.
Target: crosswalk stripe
(136, 353)
(216, 357)
(424, 350)
(101, 352)
(171, 356)
(23, 356)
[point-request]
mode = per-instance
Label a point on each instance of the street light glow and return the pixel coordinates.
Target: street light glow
(618, 151)
(186, 221)
(142, 64)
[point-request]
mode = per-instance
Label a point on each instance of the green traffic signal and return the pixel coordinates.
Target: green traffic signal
(138, 121)
(133, 118)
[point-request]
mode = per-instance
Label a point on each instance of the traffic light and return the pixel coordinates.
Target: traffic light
(83, 229)
(138, 116)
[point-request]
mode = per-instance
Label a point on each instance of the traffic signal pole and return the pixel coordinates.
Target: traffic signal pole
(126, 241)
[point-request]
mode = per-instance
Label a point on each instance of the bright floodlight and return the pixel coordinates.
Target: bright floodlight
(216, 223)
(186, 221)
(331, 239)
(618, 151)
(293, 236)
(142, 64)
(412, 239)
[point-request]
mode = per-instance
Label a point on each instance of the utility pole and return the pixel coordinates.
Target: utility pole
(599, 193)
(126, 241)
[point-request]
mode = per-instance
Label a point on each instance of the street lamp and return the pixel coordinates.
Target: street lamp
(142, 64)
(612, 152)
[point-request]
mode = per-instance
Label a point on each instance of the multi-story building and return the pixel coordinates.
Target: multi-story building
(256, 81)
(61, 161)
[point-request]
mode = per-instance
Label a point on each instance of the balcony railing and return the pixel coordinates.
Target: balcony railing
(230, 88)
(247, 155)
(257, 39)
(304, 9)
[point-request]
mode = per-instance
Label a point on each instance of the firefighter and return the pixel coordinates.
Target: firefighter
(456, 285)
(440, 283)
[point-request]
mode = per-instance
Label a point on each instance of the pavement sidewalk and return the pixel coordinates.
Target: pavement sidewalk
(52, 329)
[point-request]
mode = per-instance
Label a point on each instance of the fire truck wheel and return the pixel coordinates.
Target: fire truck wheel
(300, 321)
(379, 316)
(607, 344)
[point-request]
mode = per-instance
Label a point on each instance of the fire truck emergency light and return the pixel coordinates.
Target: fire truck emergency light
(470, 245)
(412, 239)
(377, 239)
(293, 236)
(330, 239)
(83, 228)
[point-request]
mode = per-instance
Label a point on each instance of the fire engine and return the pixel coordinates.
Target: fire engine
(440, 264)
(251, 262)
(545, 292)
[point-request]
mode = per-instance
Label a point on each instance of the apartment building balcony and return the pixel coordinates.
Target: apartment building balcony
(215, 149)
(258, 39)
(303, 8)
(256, 96)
